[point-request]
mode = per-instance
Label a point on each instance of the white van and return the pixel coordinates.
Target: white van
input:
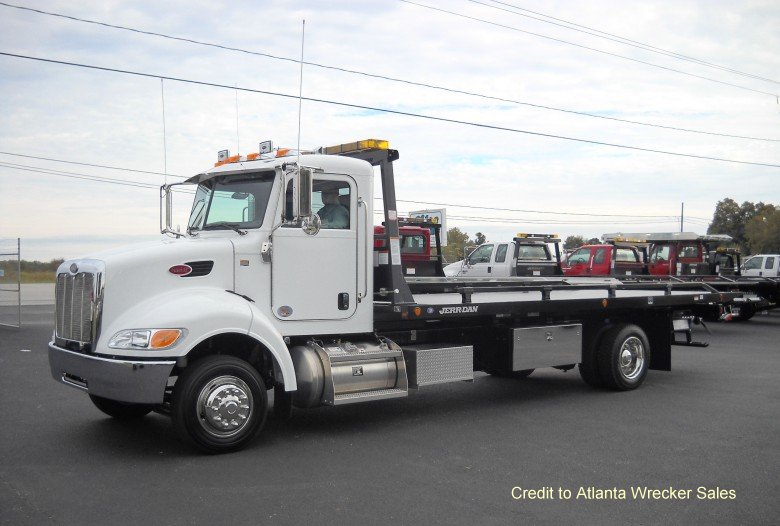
(762, 265)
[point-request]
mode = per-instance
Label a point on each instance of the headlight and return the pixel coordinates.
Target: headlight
(145, 339)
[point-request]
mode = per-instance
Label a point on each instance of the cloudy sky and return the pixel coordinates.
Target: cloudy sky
(498, 170)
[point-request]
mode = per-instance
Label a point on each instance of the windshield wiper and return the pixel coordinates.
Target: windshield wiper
(231, 226)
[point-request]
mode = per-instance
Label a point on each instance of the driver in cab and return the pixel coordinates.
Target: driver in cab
(333, 213)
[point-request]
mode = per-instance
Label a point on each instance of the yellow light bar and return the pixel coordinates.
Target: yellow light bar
(367, 144)
(546, 236)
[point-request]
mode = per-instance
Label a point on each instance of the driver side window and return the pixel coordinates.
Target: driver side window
(481, 254)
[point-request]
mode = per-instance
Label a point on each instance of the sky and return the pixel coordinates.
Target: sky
(503, 167)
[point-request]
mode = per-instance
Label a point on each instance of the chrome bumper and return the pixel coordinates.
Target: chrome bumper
(122, 380)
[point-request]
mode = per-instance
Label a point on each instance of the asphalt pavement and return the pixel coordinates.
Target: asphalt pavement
(451, 454)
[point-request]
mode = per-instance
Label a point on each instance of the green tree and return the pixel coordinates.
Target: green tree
(594, 241)
(762, 232)
(573, 242)
(731, 218)
(456, 241)
(480, 238)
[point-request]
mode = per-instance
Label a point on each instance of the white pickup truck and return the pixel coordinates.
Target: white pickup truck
(525, 255)
(762, 265)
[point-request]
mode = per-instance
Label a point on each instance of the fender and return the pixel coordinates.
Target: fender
(263, 331)
(203, 312)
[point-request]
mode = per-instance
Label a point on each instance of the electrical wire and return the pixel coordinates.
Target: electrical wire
(389, 111)
(431, 203)
(615, 38)
(633, 220)
(511, 28)
(387, 78)
(89, 164)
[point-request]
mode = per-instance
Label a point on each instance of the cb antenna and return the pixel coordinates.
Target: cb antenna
(300, 92)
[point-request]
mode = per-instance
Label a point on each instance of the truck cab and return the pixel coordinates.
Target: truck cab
(526, 255)
(608, 259)
(762, 265)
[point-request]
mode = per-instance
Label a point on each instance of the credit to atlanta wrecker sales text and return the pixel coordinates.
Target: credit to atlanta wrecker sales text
(633, 493)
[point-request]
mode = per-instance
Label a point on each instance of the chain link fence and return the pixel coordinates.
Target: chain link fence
(10, 283)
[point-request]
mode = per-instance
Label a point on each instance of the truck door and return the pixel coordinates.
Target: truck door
(660, 262)
(602, 262)
(770, 267)
(578, 262)
(754, 266)
(501, 267)
(315, 277)
(479, 262)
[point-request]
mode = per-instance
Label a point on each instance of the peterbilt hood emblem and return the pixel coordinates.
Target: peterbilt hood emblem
(73, 268)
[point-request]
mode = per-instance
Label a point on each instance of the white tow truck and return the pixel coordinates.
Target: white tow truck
(525, 255)
(271, 287)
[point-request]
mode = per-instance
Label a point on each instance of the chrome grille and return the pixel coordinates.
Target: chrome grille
(74, 297)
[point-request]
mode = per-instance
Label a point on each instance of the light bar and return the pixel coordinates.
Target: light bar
(366, 144)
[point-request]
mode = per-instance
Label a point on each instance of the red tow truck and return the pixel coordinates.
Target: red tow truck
(688, 253)
(617, 256)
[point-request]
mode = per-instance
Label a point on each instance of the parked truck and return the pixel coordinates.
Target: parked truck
(270, 287)
(762, 266)
(525, 255)
(617, 256)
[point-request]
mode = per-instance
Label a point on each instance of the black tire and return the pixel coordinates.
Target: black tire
(589, 368)
(746, 311)
(219, 391)
(282, 403)
(120, 410)
(623, 357)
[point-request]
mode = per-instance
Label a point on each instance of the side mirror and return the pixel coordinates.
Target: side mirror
(310, 222)
(304, 184)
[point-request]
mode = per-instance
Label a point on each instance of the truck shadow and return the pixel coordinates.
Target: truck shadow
(457, 403)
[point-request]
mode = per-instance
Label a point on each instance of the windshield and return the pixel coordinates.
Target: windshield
(231, 201)
(532, 252)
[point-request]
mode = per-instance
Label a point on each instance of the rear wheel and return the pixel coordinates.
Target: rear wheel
(623, 357)
(120, 410)
(746, 311)
(589, 368)
(219, 404)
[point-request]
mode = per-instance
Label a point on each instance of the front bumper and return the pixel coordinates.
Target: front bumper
(137, 382)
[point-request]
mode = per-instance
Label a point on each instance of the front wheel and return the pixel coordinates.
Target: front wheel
(623, 357)
(120, 410)
(219, 404)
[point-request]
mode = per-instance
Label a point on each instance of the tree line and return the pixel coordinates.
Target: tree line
(755, 227)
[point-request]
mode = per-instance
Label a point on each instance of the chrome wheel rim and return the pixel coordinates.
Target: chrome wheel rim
(224, 406)
(631, 358)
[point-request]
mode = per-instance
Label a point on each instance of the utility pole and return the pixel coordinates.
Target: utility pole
(682, 215)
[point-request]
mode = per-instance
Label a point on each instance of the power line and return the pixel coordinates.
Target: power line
(384, 77)
(531, 211)
(431, 203)
(77, 176)
(615, 38)
(389, 111)
(89, 164)
(511, 28)
(93, 178)
(632, 219)
(516, 220)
